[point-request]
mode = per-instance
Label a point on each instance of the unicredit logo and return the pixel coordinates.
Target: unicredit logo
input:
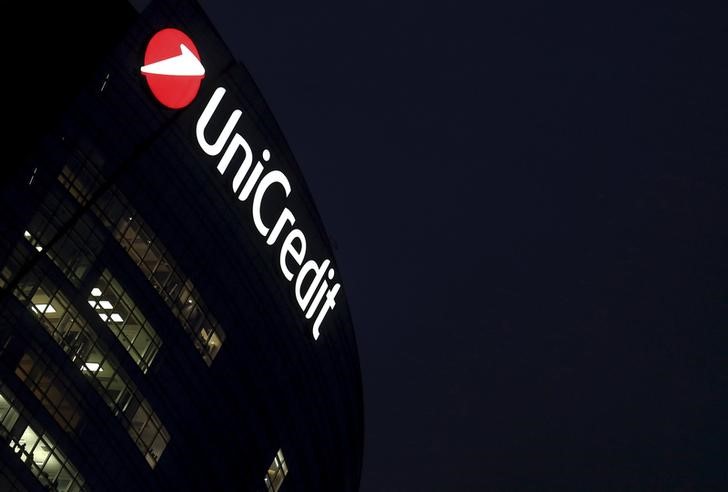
(174, 73)
(172, 68)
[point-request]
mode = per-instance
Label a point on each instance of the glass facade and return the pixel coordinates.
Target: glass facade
(72, 332)
(148, 252)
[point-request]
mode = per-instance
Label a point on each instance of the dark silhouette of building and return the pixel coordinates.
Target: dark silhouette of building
(171, 313)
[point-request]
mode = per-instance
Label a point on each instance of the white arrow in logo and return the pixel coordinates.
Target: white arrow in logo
(184, 64)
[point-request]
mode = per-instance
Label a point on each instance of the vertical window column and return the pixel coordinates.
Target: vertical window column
(277, 471)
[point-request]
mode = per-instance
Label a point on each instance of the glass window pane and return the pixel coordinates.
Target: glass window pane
(276, 472)
(8, 415)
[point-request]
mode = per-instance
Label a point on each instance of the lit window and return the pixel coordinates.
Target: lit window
(35, 448)
(151, 436)
(115, 307)
(277, 471)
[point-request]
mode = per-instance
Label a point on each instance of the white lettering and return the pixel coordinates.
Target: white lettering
(257, 182)
(286, 216)
(310, 266)
(330, 304)
(250, 183)
(268, 179)
(288, 249)
(216, 148)
(237, 142)
(317, 299)
(314, 305)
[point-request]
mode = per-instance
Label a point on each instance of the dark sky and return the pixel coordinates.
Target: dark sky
(530, 203)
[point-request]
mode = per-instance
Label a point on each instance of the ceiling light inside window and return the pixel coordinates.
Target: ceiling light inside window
(92, 366)
(45, 308)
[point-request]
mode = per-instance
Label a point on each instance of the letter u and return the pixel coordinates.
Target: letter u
(213, 103)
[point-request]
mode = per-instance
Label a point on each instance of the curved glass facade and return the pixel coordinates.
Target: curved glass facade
(165, 325)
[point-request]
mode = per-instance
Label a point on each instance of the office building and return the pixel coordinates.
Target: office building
(171, 315)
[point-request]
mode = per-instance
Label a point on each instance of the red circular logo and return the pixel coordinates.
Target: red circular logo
(172, 68)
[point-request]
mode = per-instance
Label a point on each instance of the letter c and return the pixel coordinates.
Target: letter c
(268, 179)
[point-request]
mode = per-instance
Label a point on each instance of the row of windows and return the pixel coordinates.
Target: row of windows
(79, 341)
(51, 387)
(125, 320)
(35, 448)
(178, 292)
(75, 251)
(113, 306)
(150, 255)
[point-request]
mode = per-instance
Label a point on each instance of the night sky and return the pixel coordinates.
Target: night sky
(529, 202)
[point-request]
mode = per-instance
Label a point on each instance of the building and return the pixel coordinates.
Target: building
(171, 313)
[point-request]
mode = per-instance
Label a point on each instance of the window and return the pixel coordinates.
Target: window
(8, 415)
(151, 436)
(73, 251)
(51, 388)
(125, 320)
(35, 448)
(19, 257)
(277, 471)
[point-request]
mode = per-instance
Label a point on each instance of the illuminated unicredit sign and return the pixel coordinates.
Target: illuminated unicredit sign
(310, 280)
(256, 181)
